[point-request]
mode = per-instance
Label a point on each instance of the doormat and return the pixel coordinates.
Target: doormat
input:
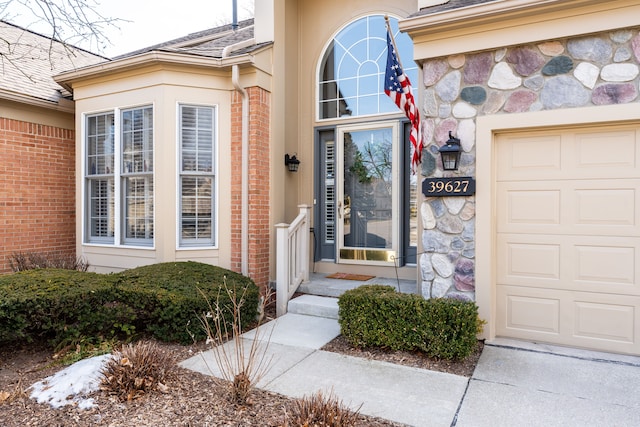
(349, 276)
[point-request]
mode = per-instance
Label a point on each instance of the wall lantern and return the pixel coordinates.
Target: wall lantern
(450, 153)
(291, 162)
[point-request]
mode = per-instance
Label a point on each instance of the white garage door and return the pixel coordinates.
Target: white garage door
(568, 237)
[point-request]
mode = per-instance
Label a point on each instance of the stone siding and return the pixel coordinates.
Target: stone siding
(599, 69)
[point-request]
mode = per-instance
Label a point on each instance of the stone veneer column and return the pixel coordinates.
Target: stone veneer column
(557, 74)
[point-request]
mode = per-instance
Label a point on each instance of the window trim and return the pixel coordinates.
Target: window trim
(319, 69)
(214, 240)
(123, 176)
(87, 178)
(118, 239)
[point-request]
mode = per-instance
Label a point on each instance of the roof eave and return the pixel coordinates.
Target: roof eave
(483, 12)
(149, 58)
(63, 105)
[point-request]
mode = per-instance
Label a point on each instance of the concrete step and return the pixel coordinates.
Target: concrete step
(314, 305)
(319, 284)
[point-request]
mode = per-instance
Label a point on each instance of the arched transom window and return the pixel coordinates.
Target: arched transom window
(352, 70)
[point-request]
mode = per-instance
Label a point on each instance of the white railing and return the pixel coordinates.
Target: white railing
(292, 257)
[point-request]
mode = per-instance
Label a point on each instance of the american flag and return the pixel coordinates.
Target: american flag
(398, 87)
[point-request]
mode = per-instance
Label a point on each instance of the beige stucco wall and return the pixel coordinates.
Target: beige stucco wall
(303, 30)
(319, 22)
(164, 88)
(37, 114)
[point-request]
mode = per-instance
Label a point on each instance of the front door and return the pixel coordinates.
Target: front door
(368, 193)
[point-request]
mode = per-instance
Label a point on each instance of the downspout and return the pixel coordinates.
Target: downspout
(244, 200)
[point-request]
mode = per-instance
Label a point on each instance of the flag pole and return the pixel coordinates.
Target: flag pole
(393, 40)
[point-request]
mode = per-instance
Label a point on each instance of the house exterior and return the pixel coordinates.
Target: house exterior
(180, 154)
(37, 146)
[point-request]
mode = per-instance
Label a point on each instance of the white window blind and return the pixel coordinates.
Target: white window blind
(124, 200)
(99, 175)
(197, 176)
(137, 173)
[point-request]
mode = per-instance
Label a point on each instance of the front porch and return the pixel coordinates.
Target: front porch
(293, 274)
(321, 293)
(320, 284)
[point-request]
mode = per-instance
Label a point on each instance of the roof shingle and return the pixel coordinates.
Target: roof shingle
(30, 60)
(208, 43)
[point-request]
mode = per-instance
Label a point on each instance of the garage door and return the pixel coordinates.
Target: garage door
(568, 237)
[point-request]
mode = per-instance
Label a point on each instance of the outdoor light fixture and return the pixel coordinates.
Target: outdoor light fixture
(450, 153)
(291, 162)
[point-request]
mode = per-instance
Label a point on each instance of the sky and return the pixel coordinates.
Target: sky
(154, 21)
(148, 22)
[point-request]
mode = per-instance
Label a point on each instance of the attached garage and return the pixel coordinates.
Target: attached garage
(562, 216)
(568, 237)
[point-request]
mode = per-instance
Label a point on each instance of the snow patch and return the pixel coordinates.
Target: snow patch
(72, 385)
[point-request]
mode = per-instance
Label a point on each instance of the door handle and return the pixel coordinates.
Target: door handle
(339, 208)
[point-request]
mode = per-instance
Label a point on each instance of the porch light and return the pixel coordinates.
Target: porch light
(291, 162)
(450, 153)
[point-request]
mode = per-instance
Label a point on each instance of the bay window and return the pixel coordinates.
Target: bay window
(119, 205)
(197, 176)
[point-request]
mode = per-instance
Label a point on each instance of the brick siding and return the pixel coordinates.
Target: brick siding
(259, 184)
(37, 190)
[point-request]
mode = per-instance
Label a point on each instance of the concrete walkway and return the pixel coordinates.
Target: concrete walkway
(525, 384)
(513, 385)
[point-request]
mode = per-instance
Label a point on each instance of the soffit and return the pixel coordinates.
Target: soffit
(493, 24)
(220, 47)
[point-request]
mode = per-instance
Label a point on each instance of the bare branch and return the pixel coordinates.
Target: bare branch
(71, 22)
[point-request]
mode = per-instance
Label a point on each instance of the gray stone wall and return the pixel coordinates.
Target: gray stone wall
(596, 70)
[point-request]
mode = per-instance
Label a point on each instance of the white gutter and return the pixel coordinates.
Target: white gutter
(492, 11)
(62, 104)
(244, 214)
(148, 59)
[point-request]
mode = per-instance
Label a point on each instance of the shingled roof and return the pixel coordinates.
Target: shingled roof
(30, 60)
(210, 43)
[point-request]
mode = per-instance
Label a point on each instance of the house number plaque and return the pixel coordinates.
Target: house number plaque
(461, 186)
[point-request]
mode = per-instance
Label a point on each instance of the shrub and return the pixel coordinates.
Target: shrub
(22, 261)
(174, 295)
(138, 369)
(55, 305)
(242, 366)
(321, 410)
(374, 315)
(64, 306)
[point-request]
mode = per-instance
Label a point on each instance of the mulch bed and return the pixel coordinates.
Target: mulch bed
(414, 359)
(192, 399)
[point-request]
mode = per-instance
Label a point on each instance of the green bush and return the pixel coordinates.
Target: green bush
(164, 300)
(174, 295)
(375, 315)
(54, 304)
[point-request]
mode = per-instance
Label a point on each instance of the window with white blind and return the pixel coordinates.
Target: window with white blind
(137, 175)
(197, 176)
(119, 177)
(100, 178)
